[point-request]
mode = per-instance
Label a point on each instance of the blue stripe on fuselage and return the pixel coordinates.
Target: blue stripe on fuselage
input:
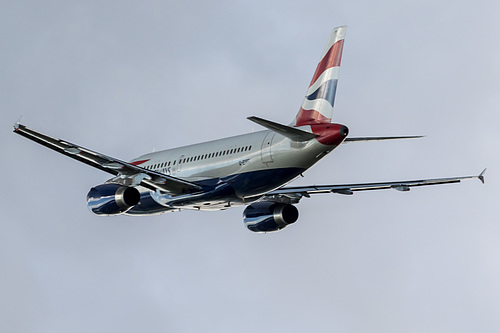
(261, 181)
(228, 189)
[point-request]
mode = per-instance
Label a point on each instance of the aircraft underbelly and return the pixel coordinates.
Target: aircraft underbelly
(261, 181)
(229, 192)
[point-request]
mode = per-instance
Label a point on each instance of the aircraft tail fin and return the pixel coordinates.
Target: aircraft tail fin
(317, 106)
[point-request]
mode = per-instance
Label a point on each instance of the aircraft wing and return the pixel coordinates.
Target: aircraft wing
(294, 194)
(127, 174)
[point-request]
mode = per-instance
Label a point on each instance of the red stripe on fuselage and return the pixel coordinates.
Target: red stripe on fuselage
(139, 162)
(331, 59)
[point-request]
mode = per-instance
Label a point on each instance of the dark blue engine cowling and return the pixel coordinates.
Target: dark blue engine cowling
(112, 199)
(268, 216)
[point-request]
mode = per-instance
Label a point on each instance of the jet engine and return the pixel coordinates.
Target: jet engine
(268, 216)
(112, 199)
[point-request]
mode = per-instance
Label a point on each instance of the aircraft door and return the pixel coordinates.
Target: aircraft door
(179, 163)
(266, 153)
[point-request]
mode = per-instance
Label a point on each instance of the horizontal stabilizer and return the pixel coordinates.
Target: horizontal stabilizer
(287, 131)
(382, 138)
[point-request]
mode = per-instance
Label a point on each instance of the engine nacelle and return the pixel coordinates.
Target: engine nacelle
(112, 199)
(268, 216)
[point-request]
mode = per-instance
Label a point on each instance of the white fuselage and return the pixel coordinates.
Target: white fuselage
(250, 165)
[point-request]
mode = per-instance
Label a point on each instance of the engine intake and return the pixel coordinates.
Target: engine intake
(112, 199)
(268, 216)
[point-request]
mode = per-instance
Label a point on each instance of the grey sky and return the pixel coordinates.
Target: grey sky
(125, 78)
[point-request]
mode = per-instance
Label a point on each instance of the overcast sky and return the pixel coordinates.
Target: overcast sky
(124, 78)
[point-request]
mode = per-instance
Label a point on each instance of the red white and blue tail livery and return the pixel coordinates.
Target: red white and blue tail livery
(317, 107)
(245, 170)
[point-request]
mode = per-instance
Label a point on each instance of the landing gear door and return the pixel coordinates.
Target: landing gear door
(266, 153)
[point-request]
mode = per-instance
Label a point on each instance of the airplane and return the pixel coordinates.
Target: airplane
(250, 169)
